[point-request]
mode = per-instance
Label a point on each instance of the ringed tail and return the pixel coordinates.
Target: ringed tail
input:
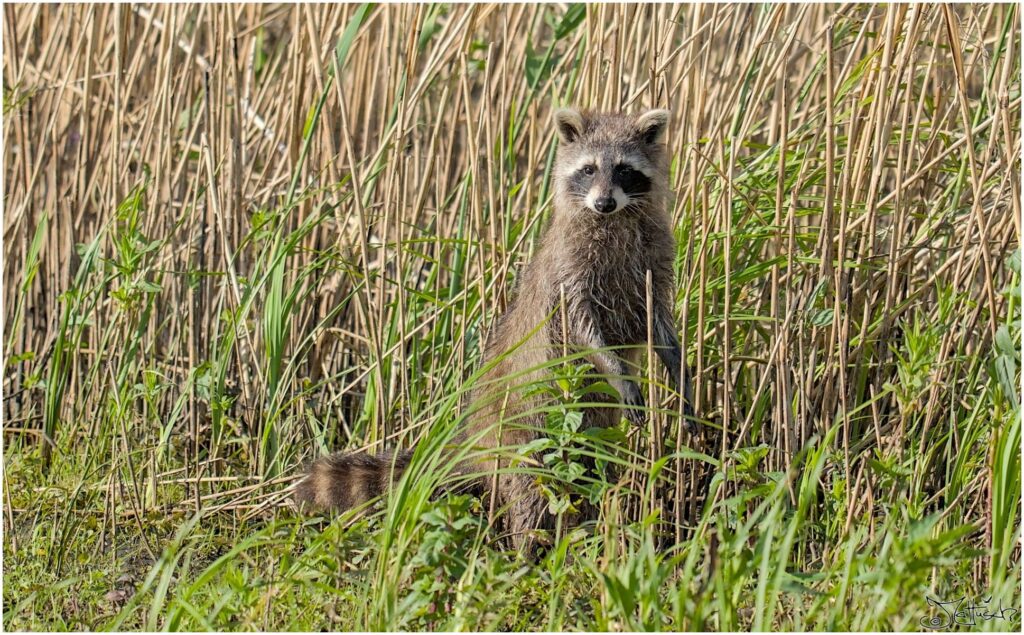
(343, 481)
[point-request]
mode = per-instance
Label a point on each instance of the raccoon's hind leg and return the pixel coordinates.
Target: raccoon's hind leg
(526, 512)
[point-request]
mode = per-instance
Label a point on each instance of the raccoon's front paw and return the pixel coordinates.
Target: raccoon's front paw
(686, 393)
(689, 421)
(635, 404)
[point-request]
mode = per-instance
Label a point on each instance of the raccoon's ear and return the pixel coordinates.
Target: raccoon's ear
(569, 124)
(652, 125)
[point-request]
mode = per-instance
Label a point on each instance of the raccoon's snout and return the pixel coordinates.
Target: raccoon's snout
(606, 201)
(605, 205)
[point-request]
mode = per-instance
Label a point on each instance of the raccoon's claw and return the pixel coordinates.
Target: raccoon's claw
(635, 404)
(689, 423)
(686, 393)
(636, 416)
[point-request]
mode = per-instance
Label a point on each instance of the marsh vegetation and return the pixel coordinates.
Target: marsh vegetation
(239, 237)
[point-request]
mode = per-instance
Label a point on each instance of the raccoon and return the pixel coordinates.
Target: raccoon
(584, 290)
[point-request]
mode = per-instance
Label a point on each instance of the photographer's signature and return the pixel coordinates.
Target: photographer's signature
(965, 612)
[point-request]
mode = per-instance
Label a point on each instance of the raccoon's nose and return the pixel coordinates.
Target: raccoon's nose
(605, 204)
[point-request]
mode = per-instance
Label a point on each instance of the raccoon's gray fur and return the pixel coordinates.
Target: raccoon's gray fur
(609, 227)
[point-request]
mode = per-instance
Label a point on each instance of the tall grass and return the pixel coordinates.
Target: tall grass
(237, 237)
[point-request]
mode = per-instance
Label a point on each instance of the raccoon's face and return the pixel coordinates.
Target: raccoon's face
(607, 162)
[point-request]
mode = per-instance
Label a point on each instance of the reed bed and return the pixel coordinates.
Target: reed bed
(237, 237)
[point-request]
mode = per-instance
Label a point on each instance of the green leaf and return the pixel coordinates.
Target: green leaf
(823, 317)
(573, 18)
(349, 36)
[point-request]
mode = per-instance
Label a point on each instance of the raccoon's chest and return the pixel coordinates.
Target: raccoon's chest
(615, 278)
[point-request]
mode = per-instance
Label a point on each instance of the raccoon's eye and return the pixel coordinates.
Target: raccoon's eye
(589, 170)
(624, 170)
